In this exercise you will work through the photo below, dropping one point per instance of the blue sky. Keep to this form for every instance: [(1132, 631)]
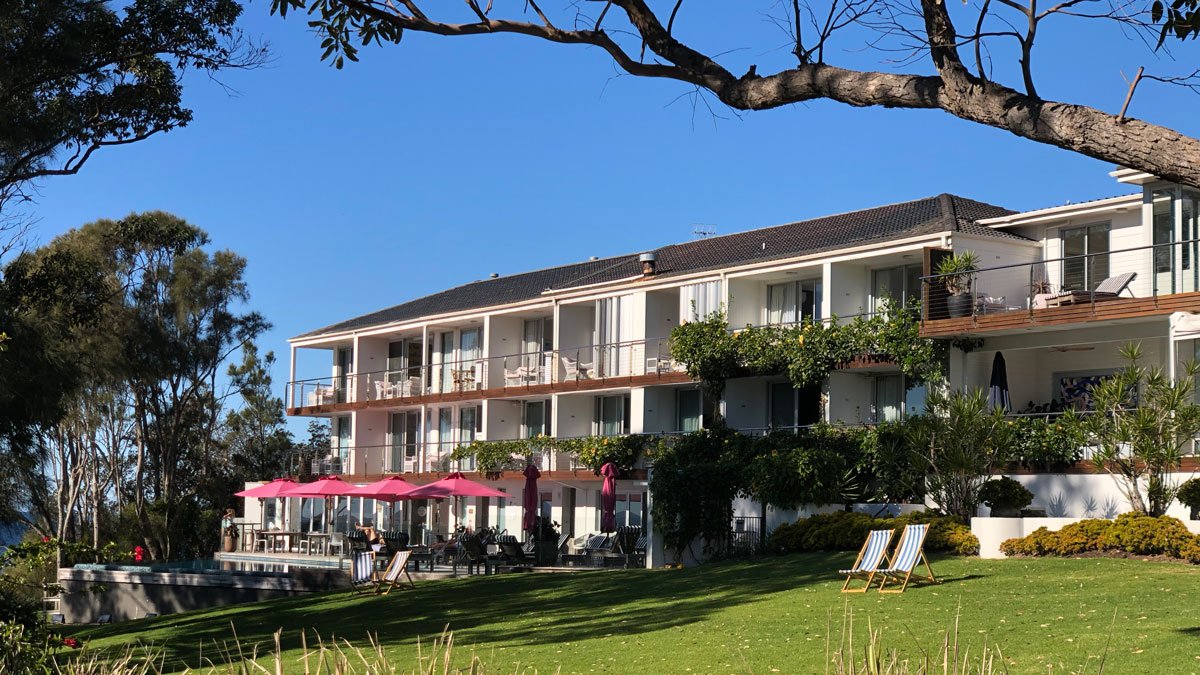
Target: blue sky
[(439, 161)]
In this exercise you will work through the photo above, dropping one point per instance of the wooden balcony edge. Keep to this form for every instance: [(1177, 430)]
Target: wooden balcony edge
[(1105, 310), (496, 393), (581, 474)]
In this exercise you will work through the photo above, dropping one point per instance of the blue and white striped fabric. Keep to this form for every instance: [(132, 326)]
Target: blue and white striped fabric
[(877, 543), (362, 567), (910, 549)]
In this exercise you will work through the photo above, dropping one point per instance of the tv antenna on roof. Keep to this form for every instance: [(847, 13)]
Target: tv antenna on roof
[(704, 230)]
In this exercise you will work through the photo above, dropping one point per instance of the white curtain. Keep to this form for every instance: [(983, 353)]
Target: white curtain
[(698, 301)]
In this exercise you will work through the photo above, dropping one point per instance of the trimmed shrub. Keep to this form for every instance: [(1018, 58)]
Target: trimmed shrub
[(1005, 494), (1147, 535), (1189, 493), (843, 531), (1131, 532)]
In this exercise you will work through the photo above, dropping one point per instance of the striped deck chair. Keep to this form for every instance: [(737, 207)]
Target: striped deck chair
[(871, 557), (397, 567), (362, 570), (909, 552)]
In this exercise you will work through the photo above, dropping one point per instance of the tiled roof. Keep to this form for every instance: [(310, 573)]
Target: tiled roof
[(943, 213)]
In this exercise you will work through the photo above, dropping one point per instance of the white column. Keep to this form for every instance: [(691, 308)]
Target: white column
[(292, 379)]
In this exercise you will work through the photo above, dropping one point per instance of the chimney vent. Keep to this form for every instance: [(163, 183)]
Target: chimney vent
[(649, 263), (495, 275)]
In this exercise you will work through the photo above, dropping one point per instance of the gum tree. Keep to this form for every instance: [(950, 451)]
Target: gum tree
[(946, 51)]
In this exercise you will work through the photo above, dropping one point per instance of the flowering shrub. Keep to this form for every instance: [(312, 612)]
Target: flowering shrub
[(1041, 443)]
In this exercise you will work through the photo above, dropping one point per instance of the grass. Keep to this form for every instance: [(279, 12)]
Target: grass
[(771, 615)]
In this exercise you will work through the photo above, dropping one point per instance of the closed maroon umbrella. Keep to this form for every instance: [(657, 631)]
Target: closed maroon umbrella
[(531, 498), (608, 498)]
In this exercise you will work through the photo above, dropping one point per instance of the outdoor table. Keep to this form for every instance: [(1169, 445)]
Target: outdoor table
[(316, 539), (419, 557), (286, 536)]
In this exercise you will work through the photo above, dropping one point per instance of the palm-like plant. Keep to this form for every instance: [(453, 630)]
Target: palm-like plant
[(1141, 424)]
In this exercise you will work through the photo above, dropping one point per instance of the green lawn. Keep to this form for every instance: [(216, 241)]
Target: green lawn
[(772, 615)]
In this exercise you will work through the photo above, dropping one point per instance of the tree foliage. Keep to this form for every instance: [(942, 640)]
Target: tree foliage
[(80, 75), (974, 61), (1141, 425)]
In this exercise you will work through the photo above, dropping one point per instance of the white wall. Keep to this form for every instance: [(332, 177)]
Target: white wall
[(573, 414), (746, 403), (370, 435), (501, 419), (746, 300), (1010, 283), (662, 313), (658, 409), (851, 398), (504, 337), (849, 288), (371, 357), (575, 325)]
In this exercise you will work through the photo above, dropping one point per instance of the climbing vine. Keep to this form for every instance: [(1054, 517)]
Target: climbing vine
[(593, 452), (807, 352)]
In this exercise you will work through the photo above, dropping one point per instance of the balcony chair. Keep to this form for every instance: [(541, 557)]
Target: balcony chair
[(1106, 290), (516, 378), (575, 370)]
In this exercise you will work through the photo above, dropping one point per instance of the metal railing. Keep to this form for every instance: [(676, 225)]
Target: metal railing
[(1157, 269), (512, 371)]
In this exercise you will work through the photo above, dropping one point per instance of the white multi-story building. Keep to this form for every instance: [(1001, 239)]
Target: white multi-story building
[(582, 349)]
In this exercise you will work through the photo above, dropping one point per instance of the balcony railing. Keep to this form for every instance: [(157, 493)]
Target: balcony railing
[(1087, 279), (513, 371)]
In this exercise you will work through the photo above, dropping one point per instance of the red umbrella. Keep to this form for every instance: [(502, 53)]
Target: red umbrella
[(275, 488), (531, 498), (608, 498), (454, 485)]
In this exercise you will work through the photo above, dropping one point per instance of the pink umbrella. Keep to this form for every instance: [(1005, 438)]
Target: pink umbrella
[(275, 488), (325, 486), (531, 498), (608, 498), (454, 485), (390, 489)]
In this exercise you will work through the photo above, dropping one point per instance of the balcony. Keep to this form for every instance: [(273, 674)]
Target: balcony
[(534, 373), (1122, 285)]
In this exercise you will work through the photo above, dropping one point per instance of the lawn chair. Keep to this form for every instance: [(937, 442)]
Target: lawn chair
[(397, 567), (909, 552), (871, 557), (513, 553), (362, 571), (473, 553)]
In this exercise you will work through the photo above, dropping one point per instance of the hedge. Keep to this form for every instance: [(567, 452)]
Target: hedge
[(844, 531), (1130, 533)]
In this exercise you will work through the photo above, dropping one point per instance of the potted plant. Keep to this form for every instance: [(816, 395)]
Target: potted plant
[(1189, 496), (229, 543), (1005, 496), (957, 272), (545, 542)]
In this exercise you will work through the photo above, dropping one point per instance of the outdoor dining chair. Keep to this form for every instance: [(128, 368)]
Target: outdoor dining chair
[(909, 552), (871, 557)]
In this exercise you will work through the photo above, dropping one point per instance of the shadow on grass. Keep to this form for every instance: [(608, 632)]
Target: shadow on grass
[(1189, 631), (525, 609)]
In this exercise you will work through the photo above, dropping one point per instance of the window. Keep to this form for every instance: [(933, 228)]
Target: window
[(1175, 226), (343, 441), (536, 418), (794, 301), (898, 284), (546, 505), (1082, 273), (894, 399), (689, 410), (697, 301), (790, 407), (404, 438), (612, 415), (628, 510)]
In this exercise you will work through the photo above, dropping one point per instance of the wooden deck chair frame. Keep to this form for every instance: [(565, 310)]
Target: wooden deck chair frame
[(855, 572), (359, 583), (397, 568), (893, 575)]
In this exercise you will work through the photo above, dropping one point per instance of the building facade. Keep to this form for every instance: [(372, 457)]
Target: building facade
[(582, 349)]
